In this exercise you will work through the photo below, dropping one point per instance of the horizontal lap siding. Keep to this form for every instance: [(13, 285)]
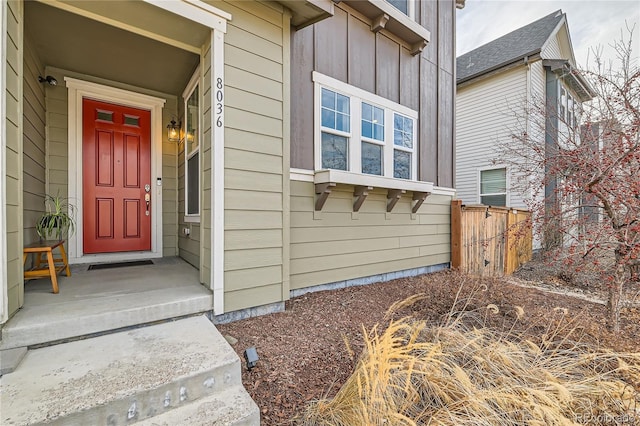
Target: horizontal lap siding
[(253, 155), (14, 153), (485, 118), (340, 245), (33, 144), (169, 185)]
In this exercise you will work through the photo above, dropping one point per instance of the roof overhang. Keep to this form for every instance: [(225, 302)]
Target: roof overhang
[(308, 12), (564, 70), (505, 66)]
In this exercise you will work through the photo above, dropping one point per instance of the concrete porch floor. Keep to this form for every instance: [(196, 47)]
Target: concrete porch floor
[(105, 299)]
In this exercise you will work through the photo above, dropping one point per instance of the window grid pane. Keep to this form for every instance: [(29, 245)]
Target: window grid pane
[(401, 164), (372, 159), (372, 122), (402, 131), (334, 151), (105, 116), (193, 184), (335, 111), (401, 5)]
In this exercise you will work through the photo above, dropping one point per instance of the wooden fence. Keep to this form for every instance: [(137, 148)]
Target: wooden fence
[(489, 241)]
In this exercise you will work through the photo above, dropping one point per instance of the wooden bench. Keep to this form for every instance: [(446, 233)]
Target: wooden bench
[(54, 265)]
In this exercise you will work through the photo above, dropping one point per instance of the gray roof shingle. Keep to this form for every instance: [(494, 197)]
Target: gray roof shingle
[(507, 49)]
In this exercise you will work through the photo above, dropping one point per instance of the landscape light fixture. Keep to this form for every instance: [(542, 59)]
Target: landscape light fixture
[(50, 80), (173, 131), (251, 356)]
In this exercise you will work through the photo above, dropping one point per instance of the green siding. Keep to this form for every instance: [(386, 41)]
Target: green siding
[(14, 153), (337, 244), (33, 143), (255, 128)]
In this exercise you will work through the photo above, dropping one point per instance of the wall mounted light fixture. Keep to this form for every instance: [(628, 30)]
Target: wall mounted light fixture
[(173, 131), (49, 80)]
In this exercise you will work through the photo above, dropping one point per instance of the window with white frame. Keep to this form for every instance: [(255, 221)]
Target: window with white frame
[(361, 132), (493, 187), (404, 6), (192, 173)]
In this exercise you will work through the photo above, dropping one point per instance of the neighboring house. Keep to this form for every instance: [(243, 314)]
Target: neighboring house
[(316, 146), (495, 82)]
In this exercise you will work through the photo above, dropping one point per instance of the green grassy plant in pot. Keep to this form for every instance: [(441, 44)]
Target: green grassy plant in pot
[(58, 222)]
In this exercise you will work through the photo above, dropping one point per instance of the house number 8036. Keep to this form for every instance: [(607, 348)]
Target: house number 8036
[(219, 98)]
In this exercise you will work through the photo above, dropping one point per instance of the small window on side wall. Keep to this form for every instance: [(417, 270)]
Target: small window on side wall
[(493, 187), (192, 149)]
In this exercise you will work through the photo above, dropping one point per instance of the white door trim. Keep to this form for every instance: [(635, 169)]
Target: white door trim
[(77, 90)]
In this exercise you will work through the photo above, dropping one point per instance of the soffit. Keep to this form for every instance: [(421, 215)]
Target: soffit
[(69, 41), (307, 12), (143, 16)]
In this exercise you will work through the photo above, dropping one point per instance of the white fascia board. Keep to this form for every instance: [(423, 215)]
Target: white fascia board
[(302, 175), (358, 179), (442, 190)]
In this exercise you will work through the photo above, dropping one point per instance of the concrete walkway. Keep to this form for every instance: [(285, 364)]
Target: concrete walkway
[(107, 299)]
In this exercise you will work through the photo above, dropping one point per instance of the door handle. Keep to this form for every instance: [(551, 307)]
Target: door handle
[(147, 199)]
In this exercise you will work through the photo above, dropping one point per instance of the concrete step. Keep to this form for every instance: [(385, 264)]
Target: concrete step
[(234, 407), (121, 297), (120, 378)]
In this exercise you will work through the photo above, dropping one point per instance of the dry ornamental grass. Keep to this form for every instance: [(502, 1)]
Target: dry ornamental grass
[(463, 373)]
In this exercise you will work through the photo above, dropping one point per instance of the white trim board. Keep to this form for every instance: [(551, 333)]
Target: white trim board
[(217, 173), (4, 298), (77, 90)]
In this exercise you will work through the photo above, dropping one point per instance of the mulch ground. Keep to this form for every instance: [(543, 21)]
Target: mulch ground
[(308, 351)]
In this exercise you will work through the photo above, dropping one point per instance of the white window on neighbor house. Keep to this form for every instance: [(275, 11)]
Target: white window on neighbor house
[(493, 187), (361, 132), (192, 158), (405, 6), (569, 109), (562, 107)]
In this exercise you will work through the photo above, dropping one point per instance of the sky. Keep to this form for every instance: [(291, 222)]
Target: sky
[(591, 23)]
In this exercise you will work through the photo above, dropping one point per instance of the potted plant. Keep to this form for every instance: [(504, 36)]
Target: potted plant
[(58, 222)]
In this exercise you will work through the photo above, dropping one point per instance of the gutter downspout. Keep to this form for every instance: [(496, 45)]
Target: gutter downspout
[(527, 120), (528, 95)]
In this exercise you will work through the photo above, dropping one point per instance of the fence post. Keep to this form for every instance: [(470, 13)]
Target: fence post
[(456, 233), (508, 234)]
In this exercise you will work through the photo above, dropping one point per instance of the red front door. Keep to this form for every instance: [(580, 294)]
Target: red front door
[(116, 178)]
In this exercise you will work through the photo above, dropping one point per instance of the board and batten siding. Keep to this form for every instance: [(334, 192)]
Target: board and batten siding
[(338, 244), (34, 140), (484, 117), (344, 47), (256, 43), (14, 153), (57, 153)]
